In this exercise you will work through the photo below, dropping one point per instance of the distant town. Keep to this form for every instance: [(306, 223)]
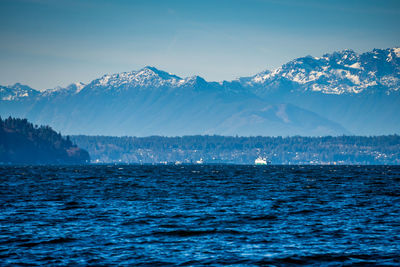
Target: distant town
[(340, 150)]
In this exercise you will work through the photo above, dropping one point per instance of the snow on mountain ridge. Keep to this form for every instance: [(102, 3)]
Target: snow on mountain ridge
[(396, 50), (16, 91), (78, 86), (337, 73), (73, 88), (145, 77)]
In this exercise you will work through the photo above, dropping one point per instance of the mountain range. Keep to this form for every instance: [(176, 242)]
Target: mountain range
[(339, 93)]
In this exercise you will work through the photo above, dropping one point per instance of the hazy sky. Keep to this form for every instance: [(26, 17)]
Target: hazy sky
[(46, 43)]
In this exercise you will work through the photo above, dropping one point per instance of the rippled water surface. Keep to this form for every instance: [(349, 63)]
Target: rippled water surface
[(197, 215)]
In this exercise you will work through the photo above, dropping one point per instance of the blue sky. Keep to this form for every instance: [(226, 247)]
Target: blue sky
[(48, 43)]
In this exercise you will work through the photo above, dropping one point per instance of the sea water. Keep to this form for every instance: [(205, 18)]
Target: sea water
[(199, 215)]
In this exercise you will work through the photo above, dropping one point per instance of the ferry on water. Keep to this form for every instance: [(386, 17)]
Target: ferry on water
[(260, 161), (200, 161)]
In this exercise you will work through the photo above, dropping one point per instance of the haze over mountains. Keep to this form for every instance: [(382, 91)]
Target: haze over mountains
[(339, 93)]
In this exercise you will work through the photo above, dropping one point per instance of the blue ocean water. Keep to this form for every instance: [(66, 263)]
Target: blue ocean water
[(200, 215)]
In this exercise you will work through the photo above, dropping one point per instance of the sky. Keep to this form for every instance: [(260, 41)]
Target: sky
[(49, 43)]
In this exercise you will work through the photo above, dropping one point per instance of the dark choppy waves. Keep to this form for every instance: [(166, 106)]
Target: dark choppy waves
[(198, 215)]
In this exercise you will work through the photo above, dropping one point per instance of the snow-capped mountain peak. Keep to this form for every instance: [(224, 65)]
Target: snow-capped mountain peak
[(76, 87), (396, 51), (153, 71), (71, 89), (336, 73), (144, 78), (16, 92), (343, 72), (193, 80)]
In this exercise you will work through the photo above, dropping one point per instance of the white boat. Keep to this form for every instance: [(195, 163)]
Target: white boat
[(260, 161), (200, 161)]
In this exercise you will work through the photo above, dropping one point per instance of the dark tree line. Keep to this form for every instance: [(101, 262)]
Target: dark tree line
[(244, 150), (23, 142)]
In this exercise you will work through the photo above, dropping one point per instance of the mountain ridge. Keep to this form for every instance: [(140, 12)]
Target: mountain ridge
[(336, 73), (346, 60), (333, 92)]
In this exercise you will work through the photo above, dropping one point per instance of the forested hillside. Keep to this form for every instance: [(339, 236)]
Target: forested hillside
[(243, 150), (23, 142)]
